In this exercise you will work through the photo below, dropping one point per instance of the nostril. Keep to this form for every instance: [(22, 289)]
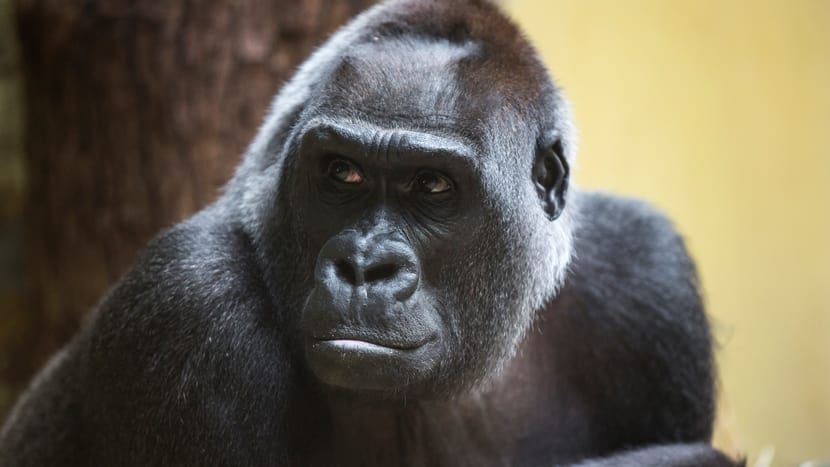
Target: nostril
[(381, 272), (345, 271)]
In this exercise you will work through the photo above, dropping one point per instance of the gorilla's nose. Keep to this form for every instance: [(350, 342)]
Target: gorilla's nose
[(386, 267), (374, 270)]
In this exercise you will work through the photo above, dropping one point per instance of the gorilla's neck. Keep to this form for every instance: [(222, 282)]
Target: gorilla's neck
[(494, 425)]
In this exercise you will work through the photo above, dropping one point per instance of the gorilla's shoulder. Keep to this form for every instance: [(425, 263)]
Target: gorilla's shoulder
[(627, 234), (628, 251), (195, 272), (207, 249)]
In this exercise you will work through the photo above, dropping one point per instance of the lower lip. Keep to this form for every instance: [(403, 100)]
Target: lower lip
[(358, 345), (353, 345)]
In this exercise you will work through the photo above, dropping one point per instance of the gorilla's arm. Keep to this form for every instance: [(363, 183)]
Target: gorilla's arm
[(183, 361), (630, 332), (42, 428), (672, 455)]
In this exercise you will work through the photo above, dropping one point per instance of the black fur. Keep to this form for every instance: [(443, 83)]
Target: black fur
[(388, 280)]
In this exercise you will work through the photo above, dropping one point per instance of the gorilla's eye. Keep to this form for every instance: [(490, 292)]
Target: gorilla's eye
[(344, 171), (432, 183)]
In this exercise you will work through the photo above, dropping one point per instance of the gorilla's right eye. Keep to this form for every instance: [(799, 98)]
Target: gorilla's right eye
[(344, 172)]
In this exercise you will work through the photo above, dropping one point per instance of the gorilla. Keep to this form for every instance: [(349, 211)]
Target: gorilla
[(398, 274)]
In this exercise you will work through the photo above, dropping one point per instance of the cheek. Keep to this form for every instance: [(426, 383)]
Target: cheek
[(492, 278), (466, 277)]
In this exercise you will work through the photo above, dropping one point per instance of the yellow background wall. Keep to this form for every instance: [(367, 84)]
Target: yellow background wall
[(719, 112)]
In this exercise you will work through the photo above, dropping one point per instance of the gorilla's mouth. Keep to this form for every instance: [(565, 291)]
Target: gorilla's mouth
[(359, 364)]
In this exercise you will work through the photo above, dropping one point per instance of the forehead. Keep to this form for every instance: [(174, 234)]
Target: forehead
[(406, 80)]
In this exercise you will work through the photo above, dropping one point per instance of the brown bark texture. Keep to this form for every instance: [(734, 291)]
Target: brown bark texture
[(136, 114)]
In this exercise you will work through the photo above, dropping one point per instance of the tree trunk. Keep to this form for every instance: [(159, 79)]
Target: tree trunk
[(136, 115)]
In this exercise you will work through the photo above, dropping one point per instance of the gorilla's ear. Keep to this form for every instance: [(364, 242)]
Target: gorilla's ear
[(550, 175)]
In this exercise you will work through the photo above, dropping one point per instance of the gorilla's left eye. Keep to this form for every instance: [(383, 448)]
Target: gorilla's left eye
[(432, 183), (344, 171)]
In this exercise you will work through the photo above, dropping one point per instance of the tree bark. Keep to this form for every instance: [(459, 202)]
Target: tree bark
[(136, 115)]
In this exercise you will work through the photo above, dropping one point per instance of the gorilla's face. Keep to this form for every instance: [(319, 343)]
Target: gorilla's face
[(385, 208), (423, 219)]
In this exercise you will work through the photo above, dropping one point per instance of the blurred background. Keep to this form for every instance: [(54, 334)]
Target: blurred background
[(718, 111)]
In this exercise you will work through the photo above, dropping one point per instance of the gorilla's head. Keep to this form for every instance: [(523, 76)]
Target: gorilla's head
[(407, 198)]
